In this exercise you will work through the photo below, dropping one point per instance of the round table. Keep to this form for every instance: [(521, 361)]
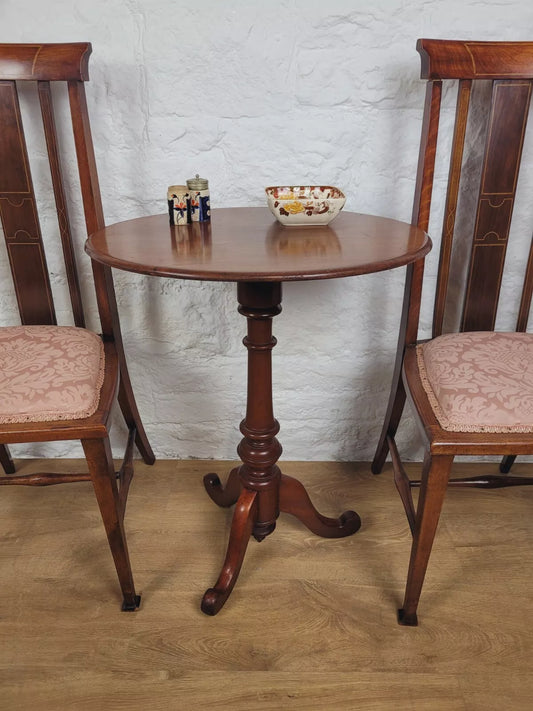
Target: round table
[(248, 246)]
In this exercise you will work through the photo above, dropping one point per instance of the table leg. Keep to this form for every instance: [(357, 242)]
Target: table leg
[(258, 486), (241, 528), (223, 495), (294, 499)]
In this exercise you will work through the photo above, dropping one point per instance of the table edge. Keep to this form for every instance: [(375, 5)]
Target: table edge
[(197, 274)]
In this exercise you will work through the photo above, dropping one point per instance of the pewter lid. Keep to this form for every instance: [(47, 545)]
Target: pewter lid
[(197, 183)]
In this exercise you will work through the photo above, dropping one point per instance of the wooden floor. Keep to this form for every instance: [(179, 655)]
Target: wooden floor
[(310, 625)]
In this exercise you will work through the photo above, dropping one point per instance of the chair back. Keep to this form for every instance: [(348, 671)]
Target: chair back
[(43, 64), (479, 202)]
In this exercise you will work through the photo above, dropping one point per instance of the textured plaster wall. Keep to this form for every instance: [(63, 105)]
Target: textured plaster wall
[(250, 94)]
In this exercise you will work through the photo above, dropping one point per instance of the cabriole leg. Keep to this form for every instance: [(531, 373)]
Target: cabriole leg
[(223, 495), (241, 529), (294, 499)]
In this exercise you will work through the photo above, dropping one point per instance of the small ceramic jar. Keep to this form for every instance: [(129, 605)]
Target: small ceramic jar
[(199, 196), (178, 204)]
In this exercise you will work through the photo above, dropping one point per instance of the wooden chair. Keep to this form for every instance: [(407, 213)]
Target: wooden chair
[(471, 388), (60, 382)]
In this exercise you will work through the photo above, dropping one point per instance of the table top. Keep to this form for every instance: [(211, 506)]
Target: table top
[(248, 244)]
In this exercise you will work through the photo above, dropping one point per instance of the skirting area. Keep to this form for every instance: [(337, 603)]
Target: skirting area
[(310, 625)]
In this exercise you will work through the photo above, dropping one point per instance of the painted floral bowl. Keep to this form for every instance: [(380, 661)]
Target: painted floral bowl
[(305, 204)]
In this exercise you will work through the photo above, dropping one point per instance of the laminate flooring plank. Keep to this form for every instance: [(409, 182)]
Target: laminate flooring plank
[(310, 625)]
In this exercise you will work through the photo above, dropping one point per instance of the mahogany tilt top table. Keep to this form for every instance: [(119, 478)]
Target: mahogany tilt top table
[(248, 246)]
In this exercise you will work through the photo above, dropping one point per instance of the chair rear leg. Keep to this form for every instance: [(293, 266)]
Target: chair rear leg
[(390, 425), (128, 405), (5, 459), (435, 475), (506, 463), (102, 471)]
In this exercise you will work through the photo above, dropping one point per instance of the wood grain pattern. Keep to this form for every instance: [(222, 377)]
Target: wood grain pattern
[(248, 244), (329, 606)]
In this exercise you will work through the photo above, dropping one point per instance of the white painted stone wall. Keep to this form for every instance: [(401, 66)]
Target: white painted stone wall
[(250, 94)]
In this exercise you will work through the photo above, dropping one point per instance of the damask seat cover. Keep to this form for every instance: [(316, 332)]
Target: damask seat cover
[(480, 381), (49, 373)]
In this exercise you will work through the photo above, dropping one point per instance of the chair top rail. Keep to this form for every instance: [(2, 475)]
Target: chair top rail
[(45, 62), (456, 59)]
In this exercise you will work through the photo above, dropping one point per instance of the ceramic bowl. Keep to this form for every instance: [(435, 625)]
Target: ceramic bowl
[(305, 204)]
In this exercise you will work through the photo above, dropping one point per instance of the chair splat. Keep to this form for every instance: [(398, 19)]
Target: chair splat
[(18, 212), (503, 151)]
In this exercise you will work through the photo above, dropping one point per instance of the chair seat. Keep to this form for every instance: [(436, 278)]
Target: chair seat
[(49, 373), (480, 381)]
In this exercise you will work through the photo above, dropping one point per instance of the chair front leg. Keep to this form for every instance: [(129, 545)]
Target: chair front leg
[(101, 468), (435, 475)]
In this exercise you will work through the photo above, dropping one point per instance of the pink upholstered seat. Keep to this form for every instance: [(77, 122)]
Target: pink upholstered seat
[(49, 373), (480, 381)]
